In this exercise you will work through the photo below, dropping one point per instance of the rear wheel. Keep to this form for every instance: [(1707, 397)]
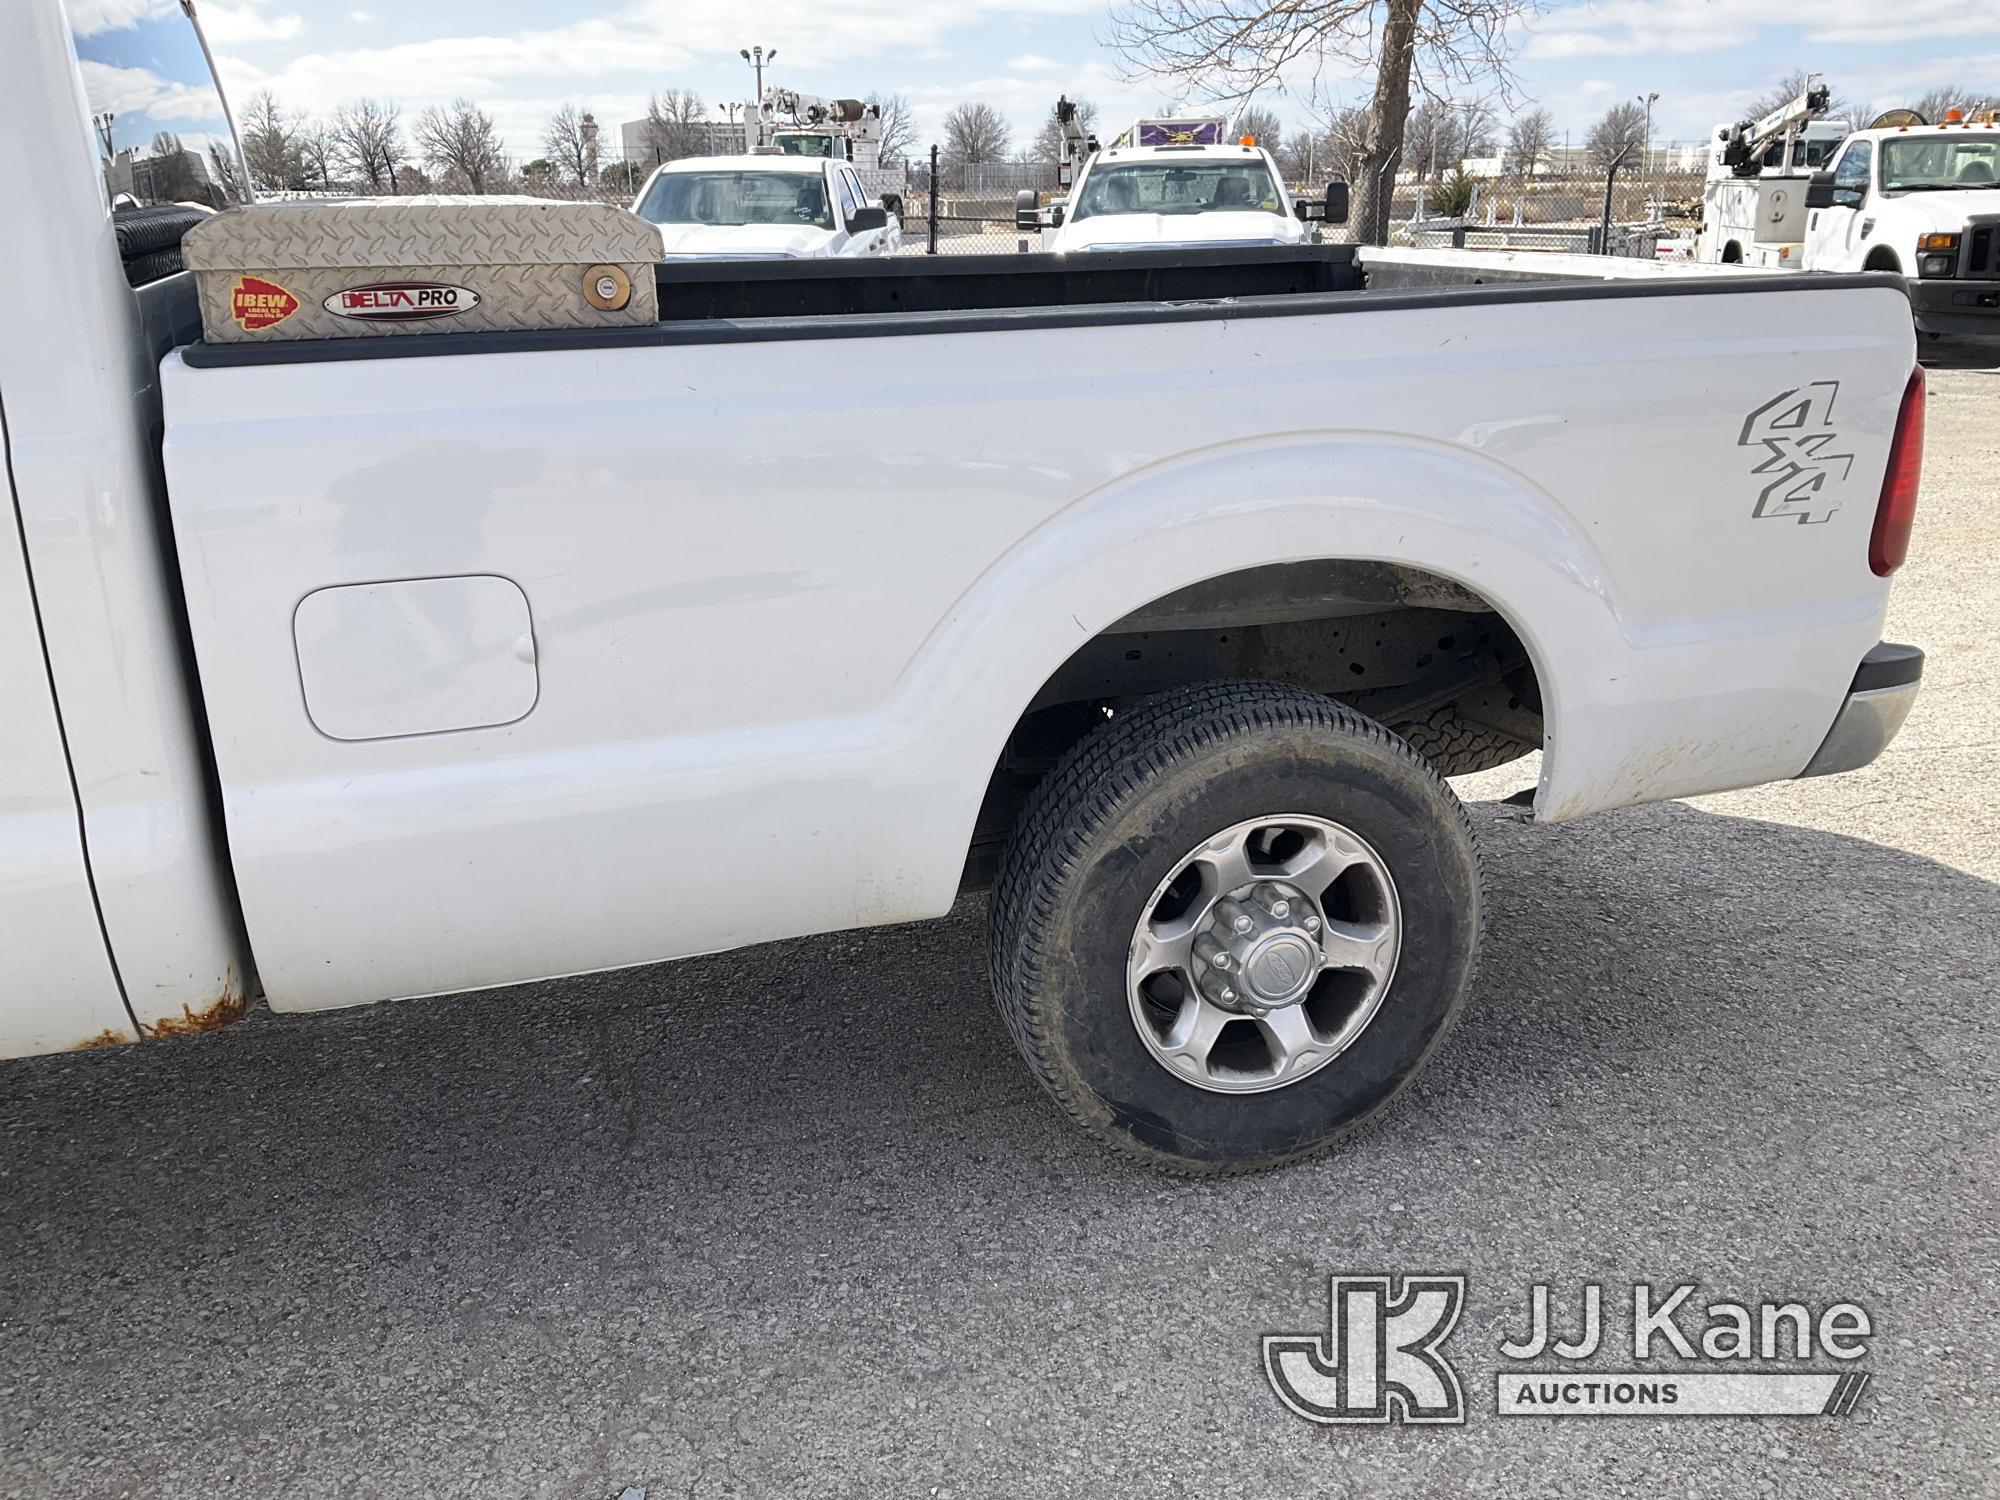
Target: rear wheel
[(1232, 923)]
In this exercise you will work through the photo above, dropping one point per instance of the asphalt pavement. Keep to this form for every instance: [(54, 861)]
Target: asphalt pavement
[(795, 1221)]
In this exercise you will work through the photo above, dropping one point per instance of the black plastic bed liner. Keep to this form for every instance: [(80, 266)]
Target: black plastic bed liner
[(698, 291)]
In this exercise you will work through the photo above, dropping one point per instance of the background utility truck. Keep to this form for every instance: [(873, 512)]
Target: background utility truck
[(372, 628), (1165, 183), (1903, 195)]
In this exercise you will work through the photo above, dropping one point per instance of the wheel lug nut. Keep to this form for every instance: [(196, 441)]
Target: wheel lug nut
[(1281, 909), (1228, 996), (1311, 923), (1236, 915)]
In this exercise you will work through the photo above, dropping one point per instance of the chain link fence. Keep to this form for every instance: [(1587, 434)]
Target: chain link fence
[(968, 209), (1652, 215)]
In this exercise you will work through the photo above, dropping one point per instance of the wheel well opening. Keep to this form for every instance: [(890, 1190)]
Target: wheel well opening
[(1882, 259), (1732, 254), (1425, 655)]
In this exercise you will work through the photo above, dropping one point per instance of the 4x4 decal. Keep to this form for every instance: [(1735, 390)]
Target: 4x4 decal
[(1794, 430)]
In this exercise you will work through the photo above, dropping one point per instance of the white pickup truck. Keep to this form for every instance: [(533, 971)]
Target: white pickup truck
[(1917, 199), (340, 668), (1176, 184), (771, 207)]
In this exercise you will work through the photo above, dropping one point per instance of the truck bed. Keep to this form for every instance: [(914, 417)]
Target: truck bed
[(721, 302), (526, 654)]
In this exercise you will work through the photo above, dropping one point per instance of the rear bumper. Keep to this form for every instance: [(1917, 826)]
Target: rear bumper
[(1878, 700), (1947, 305)]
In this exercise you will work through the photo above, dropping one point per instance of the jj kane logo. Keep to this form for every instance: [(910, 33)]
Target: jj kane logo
[(1794, 436), (1382, 1357)]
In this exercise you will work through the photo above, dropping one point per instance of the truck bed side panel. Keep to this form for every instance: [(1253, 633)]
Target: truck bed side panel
[(786, 598)]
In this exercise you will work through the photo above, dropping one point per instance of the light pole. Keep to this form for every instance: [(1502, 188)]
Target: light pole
[(757, 57), (1646, 150)]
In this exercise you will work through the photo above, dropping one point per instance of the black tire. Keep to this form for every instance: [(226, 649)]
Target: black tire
[(1108, 825), (1455, 746)]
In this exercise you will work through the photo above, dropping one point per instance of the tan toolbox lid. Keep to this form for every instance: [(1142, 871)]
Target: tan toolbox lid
[(299, 270)]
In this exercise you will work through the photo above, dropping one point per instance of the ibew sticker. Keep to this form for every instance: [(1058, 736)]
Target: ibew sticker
[(401, 301)]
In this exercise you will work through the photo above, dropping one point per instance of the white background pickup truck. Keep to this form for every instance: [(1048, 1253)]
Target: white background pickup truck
[(764, 208), (1157, 594)]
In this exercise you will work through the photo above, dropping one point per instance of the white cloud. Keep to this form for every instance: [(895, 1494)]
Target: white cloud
[(1031, 63), (360, 17), (88, 18), (1630, 28), (134, 91), (226, 25)]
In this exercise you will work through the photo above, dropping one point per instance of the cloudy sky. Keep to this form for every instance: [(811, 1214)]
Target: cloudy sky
[(522, 59)]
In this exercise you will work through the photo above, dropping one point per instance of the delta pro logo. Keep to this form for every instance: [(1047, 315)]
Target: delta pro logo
[(401, 301), (256, 303)]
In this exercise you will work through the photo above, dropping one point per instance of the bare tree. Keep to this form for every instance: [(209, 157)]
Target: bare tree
[(567, 141), (1619, 132), (225, 173), (1255, 119), (1231, 49), (1049, 139), (675, 124), (271, 142), (171, 174), (369, 138), (899, 126), (975, 133), (1529, 140), (1311, 157), (1939, 102), (461, 145), (319, 155), (1788, 88)]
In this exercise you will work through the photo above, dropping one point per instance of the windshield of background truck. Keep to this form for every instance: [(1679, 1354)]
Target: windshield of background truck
[(806, 145), (1169, 187), (1937, 162), (795, 198), (161, 133)]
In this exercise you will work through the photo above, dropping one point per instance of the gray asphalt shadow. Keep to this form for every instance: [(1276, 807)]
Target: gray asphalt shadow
[(796, 1220), (1952, 353)]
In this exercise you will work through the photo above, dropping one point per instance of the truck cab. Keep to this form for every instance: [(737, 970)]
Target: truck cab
[(1168, 183), (1921, 201), (777, 206)]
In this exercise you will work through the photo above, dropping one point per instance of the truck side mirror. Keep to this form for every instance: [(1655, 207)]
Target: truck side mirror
[(1336, 202), (1819, 191), (864, 219), (1027, 210)]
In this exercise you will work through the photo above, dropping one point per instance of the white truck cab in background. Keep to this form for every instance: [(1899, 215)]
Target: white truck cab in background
[(774, 206), (1923, 201), (1166, 183)]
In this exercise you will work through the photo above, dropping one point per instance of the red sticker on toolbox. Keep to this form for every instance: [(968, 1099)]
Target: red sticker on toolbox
[(256, 303), (401, 301)]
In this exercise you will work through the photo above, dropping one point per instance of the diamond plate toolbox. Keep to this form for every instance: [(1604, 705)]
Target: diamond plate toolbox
[(367, 267)]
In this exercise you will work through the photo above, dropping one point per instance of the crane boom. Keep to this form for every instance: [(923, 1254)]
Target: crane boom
[(1744, 143)]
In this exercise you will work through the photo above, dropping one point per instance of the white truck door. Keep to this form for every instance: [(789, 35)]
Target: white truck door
[(57, 986), (1831, 233), (845, 203)]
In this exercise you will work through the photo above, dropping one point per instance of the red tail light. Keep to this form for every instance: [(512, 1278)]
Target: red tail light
[(1898, 509)]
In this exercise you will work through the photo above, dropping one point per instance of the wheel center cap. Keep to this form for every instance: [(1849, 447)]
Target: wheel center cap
[(1279, 969)]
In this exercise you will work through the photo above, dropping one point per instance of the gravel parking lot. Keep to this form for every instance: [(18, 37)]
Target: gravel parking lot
[(796, 1220)]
